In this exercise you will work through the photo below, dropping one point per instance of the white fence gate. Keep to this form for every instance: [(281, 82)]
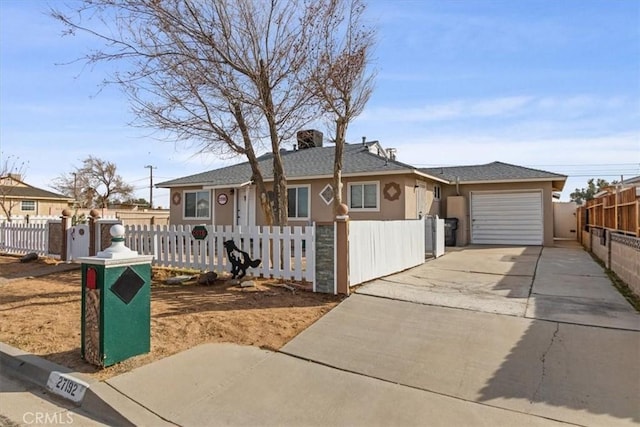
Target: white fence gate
[(286, 252), (434, 236), (78, 242), (380, 248)]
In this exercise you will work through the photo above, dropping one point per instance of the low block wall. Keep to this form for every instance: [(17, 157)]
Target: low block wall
[(600, 245), (586, 240), (625, 260), (619, 253)]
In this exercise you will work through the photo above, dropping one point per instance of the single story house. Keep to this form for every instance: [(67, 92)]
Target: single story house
[(21, 199), (375, 187)]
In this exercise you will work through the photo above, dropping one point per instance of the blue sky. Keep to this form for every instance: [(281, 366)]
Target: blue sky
[(553, 85)]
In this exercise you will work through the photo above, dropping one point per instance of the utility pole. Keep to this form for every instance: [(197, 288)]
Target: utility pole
[(75, 189), (151, 168)]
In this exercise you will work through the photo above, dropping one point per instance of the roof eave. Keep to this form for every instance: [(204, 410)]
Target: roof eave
[(560, 180), (18, 196), (435, 178)]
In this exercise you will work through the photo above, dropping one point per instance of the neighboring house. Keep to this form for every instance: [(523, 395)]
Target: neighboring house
[(375, 187), (500, 203), (20, 198), (631, 181)]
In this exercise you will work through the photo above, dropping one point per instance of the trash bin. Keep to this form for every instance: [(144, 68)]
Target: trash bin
[(450, 227)]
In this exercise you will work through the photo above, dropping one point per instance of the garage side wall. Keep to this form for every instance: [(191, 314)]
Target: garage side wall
[(547, 201)]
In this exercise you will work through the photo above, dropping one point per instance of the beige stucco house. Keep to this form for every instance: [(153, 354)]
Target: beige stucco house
[(21, 199), (375, 187)]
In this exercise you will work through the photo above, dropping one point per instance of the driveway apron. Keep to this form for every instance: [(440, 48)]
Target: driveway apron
[(537, 331)]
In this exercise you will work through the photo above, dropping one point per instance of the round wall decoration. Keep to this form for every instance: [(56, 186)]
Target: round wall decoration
[(176, 198), (222, 199), (392, 191)]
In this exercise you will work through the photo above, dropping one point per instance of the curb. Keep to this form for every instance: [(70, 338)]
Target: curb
[(100, 400)]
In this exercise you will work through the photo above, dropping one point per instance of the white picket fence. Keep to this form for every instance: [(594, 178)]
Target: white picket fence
[(21, 238), (380, 248), (286, 252)]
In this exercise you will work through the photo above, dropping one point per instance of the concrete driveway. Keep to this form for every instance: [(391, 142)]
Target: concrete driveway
[(559, 284), (535, 331)]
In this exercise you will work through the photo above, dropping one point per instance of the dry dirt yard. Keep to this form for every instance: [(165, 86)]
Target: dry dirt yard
[(41, 314)]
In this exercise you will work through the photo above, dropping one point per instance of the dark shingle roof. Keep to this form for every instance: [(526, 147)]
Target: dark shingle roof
[(634, 180), (495, 171), (29, 192), (310, 162)]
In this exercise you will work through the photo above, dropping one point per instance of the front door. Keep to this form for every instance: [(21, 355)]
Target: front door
[(246, 206)]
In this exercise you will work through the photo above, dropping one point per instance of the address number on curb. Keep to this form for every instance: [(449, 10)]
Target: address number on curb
[(67, 386)]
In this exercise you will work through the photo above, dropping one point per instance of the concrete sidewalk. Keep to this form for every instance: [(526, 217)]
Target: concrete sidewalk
[(227, 384), (380, 361)]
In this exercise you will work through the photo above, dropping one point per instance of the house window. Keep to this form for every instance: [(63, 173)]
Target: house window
[(327, 194), (436, 192), (28, 205), (298, 202), (364, 196), (197, 204)]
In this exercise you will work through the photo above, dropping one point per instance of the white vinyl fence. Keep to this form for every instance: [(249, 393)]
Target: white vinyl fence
[(380, 248), (286, 252), (20, 238)]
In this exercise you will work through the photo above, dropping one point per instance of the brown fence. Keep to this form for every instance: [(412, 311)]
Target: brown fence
[(618, 211)]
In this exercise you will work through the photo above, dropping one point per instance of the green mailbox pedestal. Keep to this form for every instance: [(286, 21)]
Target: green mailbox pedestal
[(116, 303)]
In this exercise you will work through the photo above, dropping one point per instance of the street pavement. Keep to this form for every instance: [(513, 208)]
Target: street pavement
[(482, 336)]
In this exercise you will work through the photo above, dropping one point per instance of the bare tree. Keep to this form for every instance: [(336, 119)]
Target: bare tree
[(11, 175), (94, 184), (222, 73), (340, 74)]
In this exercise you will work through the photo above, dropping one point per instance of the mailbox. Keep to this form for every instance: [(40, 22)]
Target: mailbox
[(116, 303)]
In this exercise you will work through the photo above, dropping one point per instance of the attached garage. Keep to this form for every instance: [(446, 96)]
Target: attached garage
[(507, 218), (499, 203)]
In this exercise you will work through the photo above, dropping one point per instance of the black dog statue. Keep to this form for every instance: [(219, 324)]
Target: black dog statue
[(240, 260)]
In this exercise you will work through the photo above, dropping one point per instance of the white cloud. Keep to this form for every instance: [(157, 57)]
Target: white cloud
[(553, 106), (448, 110)]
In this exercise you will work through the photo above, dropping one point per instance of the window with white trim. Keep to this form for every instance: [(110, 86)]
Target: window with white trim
[(364, 196), (436, 192), (28, 205), (298, 202), (197, 204)]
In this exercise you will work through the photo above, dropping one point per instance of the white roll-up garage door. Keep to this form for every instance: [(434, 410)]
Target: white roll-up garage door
[(509, 218)]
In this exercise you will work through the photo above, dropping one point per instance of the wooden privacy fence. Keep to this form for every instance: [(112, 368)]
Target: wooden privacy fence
[(286, 252), (619, 211), (380, 248), (20, 238)]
